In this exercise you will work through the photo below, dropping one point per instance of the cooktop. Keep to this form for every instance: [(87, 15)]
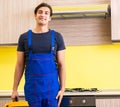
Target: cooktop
[(81, 90)]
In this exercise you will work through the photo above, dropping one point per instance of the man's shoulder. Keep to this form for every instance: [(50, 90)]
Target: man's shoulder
[(24, 34), (57, 34)]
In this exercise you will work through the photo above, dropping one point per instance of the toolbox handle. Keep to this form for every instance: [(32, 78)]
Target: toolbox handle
[(16, 99)]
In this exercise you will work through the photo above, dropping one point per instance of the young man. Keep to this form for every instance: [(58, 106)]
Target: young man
[(41, 52)]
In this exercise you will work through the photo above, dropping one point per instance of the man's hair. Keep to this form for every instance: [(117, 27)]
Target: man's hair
[(43, 5)]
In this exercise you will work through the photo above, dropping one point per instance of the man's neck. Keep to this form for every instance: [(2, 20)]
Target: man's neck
[(40, 29)]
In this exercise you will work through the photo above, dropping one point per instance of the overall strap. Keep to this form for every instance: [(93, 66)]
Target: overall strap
[(52, 41), (29, 39)]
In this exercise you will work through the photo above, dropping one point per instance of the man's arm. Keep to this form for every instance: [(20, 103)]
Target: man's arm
[(19, 69), (62, 74)]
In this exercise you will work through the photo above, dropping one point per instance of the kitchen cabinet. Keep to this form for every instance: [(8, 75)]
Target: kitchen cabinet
[(115, 20), (75, 31), (108, 101), (78, 99), (91, 101)]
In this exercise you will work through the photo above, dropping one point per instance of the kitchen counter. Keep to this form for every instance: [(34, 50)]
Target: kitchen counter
[(97, 93), (102, 98), (9, 92)]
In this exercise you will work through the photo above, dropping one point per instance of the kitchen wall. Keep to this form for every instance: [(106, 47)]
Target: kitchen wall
[(86, 66)]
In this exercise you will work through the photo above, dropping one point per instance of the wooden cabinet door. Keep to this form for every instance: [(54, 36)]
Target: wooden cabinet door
[(108, 102), (115, 20)]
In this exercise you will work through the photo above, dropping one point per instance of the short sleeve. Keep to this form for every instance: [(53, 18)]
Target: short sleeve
[(21, 43), (60, 42)]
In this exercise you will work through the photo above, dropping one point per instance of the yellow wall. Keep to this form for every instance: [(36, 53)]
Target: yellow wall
[(87, 66)]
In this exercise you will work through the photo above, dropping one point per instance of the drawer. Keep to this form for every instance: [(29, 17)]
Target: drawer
[(76, 101)]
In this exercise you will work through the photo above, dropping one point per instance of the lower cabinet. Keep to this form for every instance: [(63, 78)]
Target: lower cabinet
[(79, 101), (91, 101), (5, 99), (108, 101)]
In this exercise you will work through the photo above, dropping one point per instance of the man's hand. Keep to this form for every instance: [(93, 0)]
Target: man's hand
[(60, 96), (15, 96)]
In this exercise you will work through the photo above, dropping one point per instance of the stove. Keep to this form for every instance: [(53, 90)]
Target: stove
[(81, 90), (77, 100)]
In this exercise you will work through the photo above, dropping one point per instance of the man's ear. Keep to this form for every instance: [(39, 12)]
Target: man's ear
[(35, 16)]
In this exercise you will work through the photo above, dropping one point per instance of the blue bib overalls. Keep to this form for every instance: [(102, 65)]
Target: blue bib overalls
[(41, 77)]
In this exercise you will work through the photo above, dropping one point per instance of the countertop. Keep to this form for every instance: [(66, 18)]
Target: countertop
[(97, 93)]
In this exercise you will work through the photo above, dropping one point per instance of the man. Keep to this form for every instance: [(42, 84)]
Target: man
[(41, 52)]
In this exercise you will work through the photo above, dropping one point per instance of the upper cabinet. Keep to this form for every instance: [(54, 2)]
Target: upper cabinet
[(81, 22), (115, 20)]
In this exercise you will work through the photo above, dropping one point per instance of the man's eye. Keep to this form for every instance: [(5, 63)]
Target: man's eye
[(39, 12), (46, 13)]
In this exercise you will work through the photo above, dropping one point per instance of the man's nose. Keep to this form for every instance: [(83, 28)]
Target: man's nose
[(43, 14)]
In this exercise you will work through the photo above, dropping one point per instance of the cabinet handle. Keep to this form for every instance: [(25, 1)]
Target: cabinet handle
[(70, 101), (83, 101)]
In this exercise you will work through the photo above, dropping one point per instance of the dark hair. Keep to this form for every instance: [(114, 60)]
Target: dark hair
[(43, 5)]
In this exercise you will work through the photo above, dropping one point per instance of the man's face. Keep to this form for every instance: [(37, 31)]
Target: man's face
[(43, 16)]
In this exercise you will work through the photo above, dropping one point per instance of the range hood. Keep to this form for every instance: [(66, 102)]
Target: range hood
[(82, 11)]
